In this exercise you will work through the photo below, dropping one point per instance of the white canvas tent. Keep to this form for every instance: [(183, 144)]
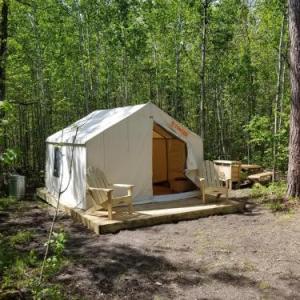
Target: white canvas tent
[(119, 142)]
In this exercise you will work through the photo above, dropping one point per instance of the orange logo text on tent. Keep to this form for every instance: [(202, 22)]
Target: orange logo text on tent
[(179, 129)]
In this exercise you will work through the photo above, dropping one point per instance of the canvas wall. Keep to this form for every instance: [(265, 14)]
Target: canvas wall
[(124, 153), (73, 185)]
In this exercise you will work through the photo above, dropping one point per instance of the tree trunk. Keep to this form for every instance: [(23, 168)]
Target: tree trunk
[(155, 58), (178, 109), (221, 150), (203, 69), (293, 178), (282, 95), (3, 46), (125, 97), (279, 88), (3, 53), (82, 58)]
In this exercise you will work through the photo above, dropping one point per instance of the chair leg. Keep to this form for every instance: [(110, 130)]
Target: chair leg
[(203, 197), (130, 208), (203, 192), (109, 206), (109, 209)]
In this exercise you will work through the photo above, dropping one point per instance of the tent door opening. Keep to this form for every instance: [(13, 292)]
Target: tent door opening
[(169, 155)]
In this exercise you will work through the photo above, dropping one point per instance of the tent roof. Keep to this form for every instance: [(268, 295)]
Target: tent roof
[(93, 124)]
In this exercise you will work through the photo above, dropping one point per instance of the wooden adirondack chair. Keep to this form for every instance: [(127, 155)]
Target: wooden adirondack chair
[(211, 183), (101, 192)]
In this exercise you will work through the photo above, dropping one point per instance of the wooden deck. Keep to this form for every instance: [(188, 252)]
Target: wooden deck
[(146, 214)]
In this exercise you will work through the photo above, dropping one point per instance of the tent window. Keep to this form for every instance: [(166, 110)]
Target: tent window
[(57, 162)]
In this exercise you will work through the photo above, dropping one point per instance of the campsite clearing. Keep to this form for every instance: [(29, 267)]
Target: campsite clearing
[(238, 256)]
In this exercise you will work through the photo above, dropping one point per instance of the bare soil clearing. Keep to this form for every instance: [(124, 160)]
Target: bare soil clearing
[(254, 255)]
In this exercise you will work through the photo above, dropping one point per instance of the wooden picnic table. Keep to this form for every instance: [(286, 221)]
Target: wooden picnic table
[(261, 177), (248, 167)]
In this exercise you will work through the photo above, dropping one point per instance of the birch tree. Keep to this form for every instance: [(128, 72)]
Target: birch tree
[(279, 87), (3, 47), (202, 102)]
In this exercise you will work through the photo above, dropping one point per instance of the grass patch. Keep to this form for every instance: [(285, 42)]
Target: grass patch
[(248, 266), (6, 203), (275, 190), (20, 264), (263, 285), (273, 197), (21, 237)]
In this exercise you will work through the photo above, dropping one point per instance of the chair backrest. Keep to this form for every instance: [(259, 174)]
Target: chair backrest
[(209, 172), (96, 178)]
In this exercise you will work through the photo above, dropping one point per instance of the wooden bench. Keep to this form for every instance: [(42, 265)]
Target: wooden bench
[(261, 177)]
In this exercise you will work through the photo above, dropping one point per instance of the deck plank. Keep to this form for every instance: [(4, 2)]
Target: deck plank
[(146, 214)]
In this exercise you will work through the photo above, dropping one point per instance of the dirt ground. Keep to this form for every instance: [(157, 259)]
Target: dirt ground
[(254, 255)]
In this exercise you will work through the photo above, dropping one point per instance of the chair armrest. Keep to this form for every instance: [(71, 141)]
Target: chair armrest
[(202, 182), (100, 189), (129, 188), (202, 188), (121, 185)]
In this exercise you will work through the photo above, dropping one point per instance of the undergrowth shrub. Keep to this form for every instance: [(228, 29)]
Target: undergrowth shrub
[(6, 203), (56, 257), (276, 189), (273, 196), (20, 266), (21, 237)]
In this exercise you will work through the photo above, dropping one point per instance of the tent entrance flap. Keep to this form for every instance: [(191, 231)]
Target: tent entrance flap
[(169, 155)]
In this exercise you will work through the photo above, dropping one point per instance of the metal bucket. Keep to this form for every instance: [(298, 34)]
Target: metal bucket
[(16, 186)]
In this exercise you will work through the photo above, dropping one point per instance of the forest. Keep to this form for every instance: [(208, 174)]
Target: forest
[(219, 67), (221, 222)]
